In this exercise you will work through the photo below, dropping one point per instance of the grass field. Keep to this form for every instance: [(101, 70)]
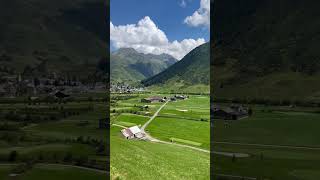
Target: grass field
[(146, 160), (133, 159), (53, 133), (282, 128), (191, 125), (185, 141), (52, 172)]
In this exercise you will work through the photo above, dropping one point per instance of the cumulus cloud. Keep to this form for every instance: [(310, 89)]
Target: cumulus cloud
[(146, 37), (201, 17)]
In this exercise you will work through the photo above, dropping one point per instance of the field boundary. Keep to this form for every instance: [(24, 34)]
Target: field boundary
[(268, 145)]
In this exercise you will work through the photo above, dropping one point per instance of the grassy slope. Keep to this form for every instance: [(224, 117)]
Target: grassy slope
[(259, 45), (140, 159), (146, 160), (192, 71)]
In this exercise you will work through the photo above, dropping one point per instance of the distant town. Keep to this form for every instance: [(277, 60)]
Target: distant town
[(17, 85)]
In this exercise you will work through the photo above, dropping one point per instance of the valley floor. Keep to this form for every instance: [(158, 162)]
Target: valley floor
[(282, 143), (181, 159)]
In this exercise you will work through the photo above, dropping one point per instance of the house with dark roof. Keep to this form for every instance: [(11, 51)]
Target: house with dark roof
[(153, 99), (233, 112)]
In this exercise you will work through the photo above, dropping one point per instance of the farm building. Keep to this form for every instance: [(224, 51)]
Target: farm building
[(132, 132), (153, 99), (234, 112), (181, 97)]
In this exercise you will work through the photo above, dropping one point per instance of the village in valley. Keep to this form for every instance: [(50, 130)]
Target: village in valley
[(52, 121)]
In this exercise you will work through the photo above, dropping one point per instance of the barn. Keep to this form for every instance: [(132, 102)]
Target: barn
[(132, 132), (234, 112)]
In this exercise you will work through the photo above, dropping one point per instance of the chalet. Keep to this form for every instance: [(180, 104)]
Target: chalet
[(234, 112), (153, 99), (132, 132)]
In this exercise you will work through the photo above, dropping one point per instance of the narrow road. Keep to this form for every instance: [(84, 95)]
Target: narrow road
[(268, 145), (154, 116), (150, 138)]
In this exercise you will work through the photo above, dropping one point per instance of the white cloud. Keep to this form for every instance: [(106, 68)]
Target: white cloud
[(183, 3), (146, 37), (201, 17)]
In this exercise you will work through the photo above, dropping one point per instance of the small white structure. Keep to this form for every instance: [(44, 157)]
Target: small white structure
[(132, 132)]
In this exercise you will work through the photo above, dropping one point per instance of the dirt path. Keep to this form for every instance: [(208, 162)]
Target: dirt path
[(150, 138), (268, 145)]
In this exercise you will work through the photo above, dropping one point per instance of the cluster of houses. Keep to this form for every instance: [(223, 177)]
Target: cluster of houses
[(233, 112), (155, 99), (15, 85), (124, 88)]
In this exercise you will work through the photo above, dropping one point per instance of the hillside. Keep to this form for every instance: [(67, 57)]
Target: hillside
[(189, 74), (128, 65), (65, 37), (266, 50)]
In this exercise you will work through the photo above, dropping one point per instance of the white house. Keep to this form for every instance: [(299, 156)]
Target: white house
[(132, 132)]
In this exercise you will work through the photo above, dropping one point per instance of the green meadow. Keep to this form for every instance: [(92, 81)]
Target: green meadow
[(281, 142), (65, 134), (147, 160), (134, 159)]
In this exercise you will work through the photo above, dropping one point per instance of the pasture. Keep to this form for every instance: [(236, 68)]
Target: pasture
[(52, 132), (147, 160), (282, 144), (133, 159)]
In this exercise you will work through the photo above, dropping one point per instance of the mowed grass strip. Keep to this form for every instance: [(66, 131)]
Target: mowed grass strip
[(185, 141)]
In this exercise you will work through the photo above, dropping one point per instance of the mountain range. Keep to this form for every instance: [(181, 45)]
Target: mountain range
[(129, 66), (266, 49)]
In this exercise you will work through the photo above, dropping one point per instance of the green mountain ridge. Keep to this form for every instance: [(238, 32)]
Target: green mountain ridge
[(190, 74), (54, 33), (266, 49), (129, 66)]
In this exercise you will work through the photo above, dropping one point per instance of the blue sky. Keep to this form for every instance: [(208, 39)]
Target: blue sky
[(167, 14), (173, 27)]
